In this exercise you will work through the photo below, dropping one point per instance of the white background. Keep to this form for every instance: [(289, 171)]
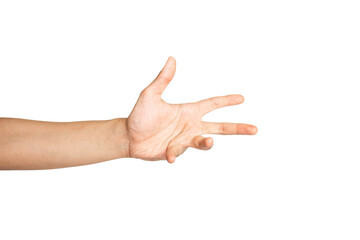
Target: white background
[(296, 63)]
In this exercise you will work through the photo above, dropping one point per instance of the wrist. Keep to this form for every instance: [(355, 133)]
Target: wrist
[(119, 137)]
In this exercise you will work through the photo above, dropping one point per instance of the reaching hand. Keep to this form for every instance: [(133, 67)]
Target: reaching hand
[(158, 130)]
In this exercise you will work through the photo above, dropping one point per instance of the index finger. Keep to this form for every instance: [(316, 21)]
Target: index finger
[(213, 103)]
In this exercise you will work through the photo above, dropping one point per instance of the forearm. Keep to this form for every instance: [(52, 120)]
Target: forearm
[(27, 144)]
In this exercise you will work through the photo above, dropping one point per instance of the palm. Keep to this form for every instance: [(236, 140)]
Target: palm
[(152, 126), (158, 130)]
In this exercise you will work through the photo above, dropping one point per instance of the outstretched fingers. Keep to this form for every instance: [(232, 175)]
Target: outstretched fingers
[(229, 128), (158, 86), (213, 103)]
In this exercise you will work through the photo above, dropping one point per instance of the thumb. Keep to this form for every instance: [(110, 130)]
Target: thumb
[(163, 79)]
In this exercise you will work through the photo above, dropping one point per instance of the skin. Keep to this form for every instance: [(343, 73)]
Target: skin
[(155, 130)]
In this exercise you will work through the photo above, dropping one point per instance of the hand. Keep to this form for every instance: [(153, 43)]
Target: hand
[(158, 130)]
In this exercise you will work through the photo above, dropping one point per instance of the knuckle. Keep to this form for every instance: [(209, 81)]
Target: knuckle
[(214, 102), (222, 127), (145, 92), (228, 100), (238, 129), (202, 144), (164, 79)]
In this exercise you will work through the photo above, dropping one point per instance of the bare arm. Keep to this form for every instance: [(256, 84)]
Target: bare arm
[(155, 130), (26, 144)]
